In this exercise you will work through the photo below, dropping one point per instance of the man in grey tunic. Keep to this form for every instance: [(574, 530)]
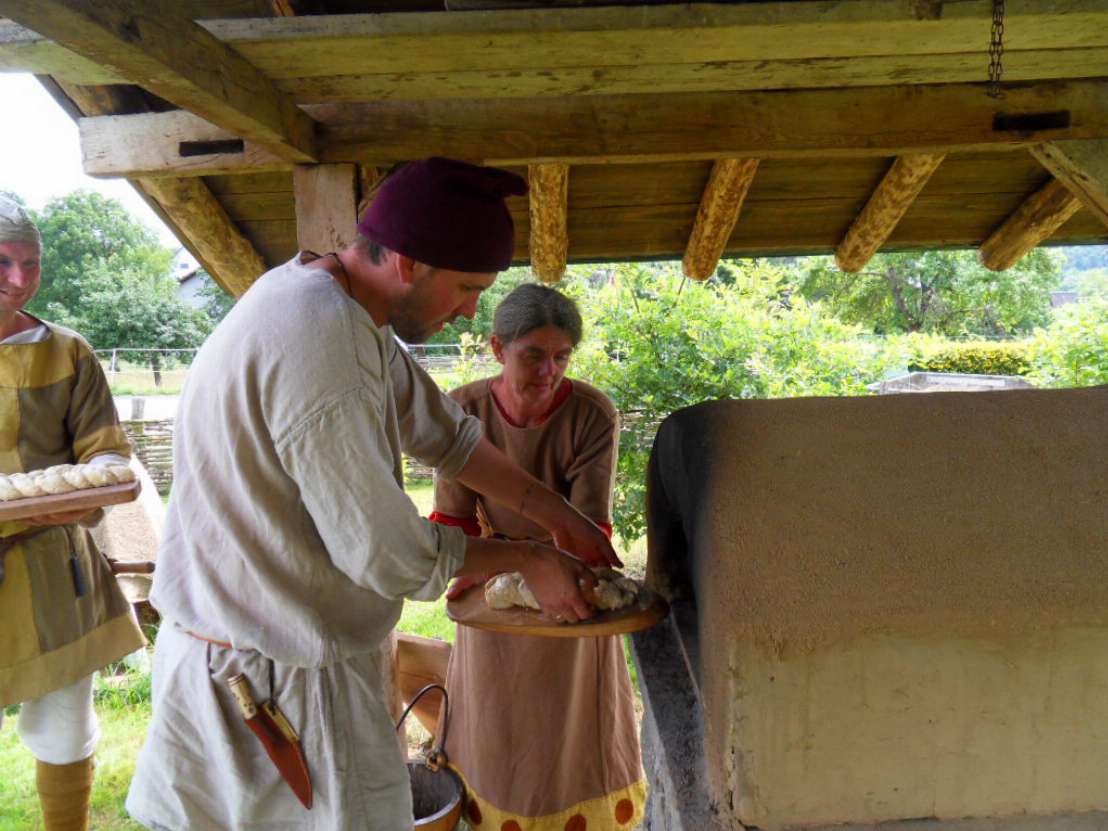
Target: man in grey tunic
[(290, 545)]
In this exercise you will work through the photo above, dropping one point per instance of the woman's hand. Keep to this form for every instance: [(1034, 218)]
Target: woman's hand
[(581, 537), (553, 579)]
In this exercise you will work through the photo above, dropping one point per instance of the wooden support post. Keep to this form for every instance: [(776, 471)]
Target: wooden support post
[(549, 199), (326, 206), (887, 204), (719, 209), (1082, 166), (215, 237), (1044, 212)]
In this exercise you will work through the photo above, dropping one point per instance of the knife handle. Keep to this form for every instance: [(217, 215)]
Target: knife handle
[(240, 689)]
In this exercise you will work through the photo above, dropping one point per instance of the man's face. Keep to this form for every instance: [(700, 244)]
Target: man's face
[(436, 297), (20, 273)]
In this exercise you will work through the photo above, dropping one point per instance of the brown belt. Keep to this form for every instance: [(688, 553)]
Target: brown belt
[(10, 542), (223, 644)]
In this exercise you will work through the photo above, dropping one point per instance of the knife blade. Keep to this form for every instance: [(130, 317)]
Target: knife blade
[(277, 736)]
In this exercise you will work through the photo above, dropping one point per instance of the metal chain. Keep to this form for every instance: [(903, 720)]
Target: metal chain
[(996, 49)]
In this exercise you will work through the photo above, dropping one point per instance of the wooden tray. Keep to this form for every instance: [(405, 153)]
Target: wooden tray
[(60, 503), (470, 610)]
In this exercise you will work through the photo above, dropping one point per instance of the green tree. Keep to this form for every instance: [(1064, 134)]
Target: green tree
[(656, 343), (137, 310), (1073, 350), (217, 302), (85, 233), (946, 292), (105, 275)]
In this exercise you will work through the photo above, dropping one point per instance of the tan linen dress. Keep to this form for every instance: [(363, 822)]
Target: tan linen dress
[(542, 730)]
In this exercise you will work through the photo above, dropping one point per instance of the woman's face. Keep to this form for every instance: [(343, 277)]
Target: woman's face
[(535, 364), (20, 272)]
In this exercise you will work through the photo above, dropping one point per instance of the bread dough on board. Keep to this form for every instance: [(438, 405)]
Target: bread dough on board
[(62, 479)]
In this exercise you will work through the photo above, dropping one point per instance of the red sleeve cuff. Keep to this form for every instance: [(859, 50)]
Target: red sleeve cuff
[(469, 525)]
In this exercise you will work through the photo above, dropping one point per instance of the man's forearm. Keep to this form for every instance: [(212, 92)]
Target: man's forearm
[(485, 556), (492, 474)]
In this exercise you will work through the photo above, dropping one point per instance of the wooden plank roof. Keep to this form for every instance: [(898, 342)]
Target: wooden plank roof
[(207, 106)]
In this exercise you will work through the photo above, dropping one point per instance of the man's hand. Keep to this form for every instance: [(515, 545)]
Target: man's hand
[(68, 518), (553, 578), (460, 584), (581, 537)]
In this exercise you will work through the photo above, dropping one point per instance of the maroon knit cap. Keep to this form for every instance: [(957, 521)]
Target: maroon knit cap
[(447, 214)]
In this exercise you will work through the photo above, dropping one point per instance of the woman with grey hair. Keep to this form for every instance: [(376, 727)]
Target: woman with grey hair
[(510, 693)]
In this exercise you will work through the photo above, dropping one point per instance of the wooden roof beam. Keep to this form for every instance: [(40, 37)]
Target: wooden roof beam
[(889, 202), (720, 205), (1082, 166), (707, 34), (1044, 212), (870, 121), (187, 145), (216, 240), (152, 45), (549, 205)]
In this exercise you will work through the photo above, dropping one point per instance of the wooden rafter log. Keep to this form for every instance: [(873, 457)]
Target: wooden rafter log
[(1082, 166), (1043, 213), (153, 45), (886, 206), (549, 200), (326, 206), (720, 205), (217, 241)]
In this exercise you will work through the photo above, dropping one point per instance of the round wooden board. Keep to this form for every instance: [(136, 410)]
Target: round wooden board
[(470, 610), (61, 503)]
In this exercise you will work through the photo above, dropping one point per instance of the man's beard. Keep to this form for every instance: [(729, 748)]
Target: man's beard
[(408, 317), (410, 330)]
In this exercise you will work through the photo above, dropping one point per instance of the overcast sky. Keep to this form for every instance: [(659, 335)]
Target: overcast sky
[(40, 154)]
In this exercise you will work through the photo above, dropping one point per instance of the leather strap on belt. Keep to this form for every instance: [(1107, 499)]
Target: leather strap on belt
[(10, 542), (213, 641)]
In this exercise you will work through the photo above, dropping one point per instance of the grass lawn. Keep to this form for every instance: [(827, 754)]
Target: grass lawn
[(121, 734)]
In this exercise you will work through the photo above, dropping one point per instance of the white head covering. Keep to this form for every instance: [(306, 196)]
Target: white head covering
[(15, 223)]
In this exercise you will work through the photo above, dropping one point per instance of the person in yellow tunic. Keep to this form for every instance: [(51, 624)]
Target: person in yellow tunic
[(62, 616), (507, 691)]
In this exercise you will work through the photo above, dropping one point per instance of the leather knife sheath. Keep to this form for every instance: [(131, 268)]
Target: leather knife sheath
[(280, 741)]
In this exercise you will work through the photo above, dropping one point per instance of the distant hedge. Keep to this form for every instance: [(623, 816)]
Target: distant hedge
[(978, 358)]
